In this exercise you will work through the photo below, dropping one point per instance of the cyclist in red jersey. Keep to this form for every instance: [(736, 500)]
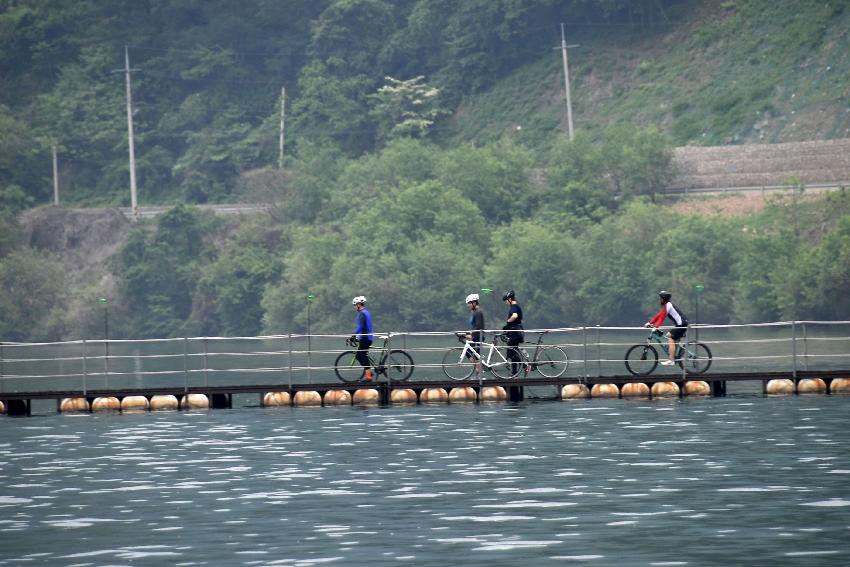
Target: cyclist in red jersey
[(679, 320)]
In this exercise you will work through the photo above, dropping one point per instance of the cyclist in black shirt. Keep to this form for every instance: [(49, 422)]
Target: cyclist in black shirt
[(476, 325), (514, 328)]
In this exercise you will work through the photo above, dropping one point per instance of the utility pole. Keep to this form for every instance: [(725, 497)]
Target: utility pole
[(563, 49), (55, 176), (282, 124), (134, 204)]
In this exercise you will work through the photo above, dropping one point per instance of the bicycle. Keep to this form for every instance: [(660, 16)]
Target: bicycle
[(549, 360), (395, 364), (642, 359), (459, 362)]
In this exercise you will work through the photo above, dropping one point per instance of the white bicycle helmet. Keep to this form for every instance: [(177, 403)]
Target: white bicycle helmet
[(358, 299), (471, 297)]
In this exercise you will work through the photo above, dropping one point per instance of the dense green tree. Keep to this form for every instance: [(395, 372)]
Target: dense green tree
[(33, 298), (235, 282), (160, 274)]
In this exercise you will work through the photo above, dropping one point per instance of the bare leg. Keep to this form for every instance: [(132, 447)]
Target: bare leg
[(671, 347)]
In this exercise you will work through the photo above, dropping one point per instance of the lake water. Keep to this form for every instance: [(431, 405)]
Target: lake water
[(742, 480)]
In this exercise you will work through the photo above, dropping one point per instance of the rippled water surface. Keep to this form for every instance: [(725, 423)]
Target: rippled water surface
[(729, 481)]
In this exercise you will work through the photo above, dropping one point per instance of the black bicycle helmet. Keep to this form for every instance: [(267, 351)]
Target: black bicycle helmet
[(665, 295), (509, 295)]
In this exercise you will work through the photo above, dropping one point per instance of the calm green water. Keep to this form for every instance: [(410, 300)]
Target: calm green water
[(742, 480)]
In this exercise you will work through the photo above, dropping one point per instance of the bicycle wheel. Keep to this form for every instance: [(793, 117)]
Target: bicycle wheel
[(454, 367), (551, 362), (641, 359), (502, 370), (698, 359), (347, 368), (398, 365)]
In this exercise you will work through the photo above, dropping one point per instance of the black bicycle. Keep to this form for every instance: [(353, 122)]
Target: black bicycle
[(394, 364), (640, 360), (549, 360)]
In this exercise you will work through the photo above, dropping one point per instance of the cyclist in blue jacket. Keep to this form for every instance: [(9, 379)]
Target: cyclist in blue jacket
[(363, 335)]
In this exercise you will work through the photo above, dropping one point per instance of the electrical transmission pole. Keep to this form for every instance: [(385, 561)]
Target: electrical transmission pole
[(55, 176), (563, 49), (282, 125), (134, 204)]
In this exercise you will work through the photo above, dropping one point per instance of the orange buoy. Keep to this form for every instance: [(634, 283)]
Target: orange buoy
[(363, 396), (839, 386), (665, 390), (403, 396), (574, 392), (779, 387), (164, 403), (464, 394), (604, 391), (493, 394), (131, 403), (106, 404), (307, 398), (337, 398), (697, 388), (811, 386), (195, 401), (635, 390), (73, 405), (2, 407), (275, 399), (433, 395)]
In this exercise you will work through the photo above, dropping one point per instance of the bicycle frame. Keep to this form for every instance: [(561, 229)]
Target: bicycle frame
[(469, 350), (381, 352), (659, 337)]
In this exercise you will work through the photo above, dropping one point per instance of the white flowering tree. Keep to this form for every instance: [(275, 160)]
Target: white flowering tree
[(406, 108)]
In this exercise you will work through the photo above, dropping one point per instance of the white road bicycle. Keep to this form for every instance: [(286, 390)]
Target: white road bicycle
[(459, 362)]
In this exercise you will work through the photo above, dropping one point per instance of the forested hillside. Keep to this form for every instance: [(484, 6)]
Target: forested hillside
[(425, 158)]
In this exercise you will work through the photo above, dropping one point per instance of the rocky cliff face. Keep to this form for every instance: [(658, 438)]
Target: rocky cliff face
[(84, 239)]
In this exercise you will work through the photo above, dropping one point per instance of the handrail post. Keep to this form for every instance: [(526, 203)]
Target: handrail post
[(387, 360), (794, 349), (85, 371), (309, 359), (206, 376), (598, 353), (289, 357), (584, 335), (805, 348), (2, 381), (185, 365)]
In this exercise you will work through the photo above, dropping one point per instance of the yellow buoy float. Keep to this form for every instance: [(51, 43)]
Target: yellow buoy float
[(108, 403), (195, 401), (605, 391), (493, 394), (403, 396), (635, 390), (779, 387), (432, 395), (275, 399), (697, 388), (69, 405), (574, 392), (2, 407), (307, 398), (811, 386), (464, 394), (839, 386), (366, 396), (164, 402), (665, 390), (337, 398), (134, 403)]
